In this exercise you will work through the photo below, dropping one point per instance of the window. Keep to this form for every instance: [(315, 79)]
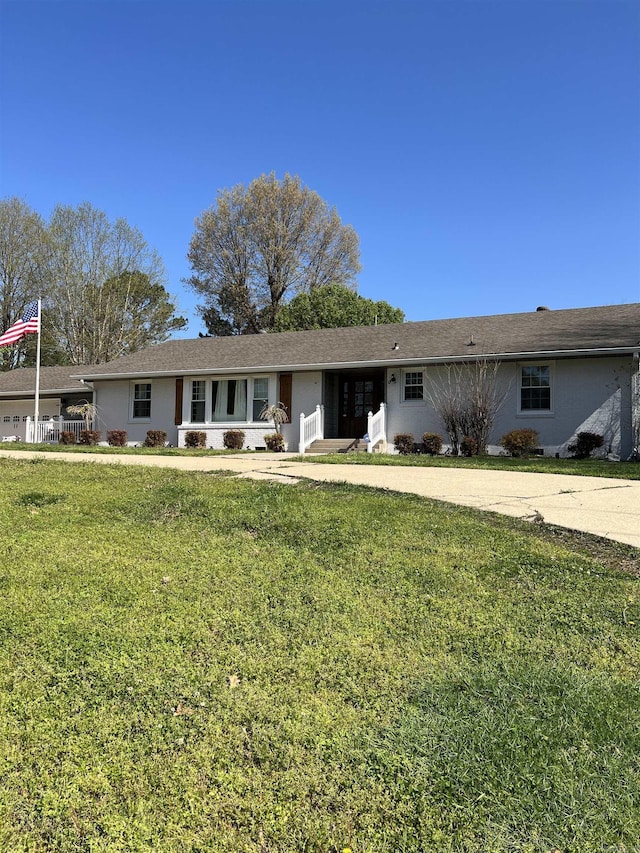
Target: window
[(229, 400), (198, 397), (413, 385), (260, 396), (7, 419), (219, 401), (535, 388), (141, 407)]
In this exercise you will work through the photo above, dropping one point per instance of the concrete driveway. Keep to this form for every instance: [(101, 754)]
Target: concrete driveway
[(604, 506)]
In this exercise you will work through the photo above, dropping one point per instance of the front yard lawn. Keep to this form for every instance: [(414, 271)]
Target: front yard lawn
[(536, 464), (192, 662)]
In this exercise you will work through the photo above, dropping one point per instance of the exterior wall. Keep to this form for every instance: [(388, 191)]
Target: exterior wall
[(113, 399), (588, 394), (306, 394)]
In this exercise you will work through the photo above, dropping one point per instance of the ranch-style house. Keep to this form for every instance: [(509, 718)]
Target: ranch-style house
[(559, 372)]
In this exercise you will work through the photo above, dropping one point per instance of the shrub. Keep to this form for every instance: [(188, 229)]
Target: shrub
[(520, 442), (403, 443), (67, 437), (468, 446), (89, 436), (432, 443), (117, 438), (194, 438), (233, 439), (274, 442), (155, 438), (585, 444)]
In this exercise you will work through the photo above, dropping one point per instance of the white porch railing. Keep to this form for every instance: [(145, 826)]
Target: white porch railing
[(311, 428), (48, 431), (376, 427)]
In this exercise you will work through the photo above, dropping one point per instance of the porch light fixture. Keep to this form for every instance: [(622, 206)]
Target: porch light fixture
[(395, 346), (392, 379)]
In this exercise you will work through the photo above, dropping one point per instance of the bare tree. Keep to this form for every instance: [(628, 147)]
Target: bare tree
[(262, 244), (467, 397), (106, 296), (22, 252)]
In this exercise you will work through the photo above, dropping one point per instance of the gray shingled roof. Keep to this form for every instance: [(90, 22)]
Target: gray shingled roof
[(52, 379), (614, 327)]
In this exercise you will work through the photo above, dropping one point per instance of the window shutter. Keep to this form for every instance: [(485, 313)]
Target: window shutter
[(179, 391), (284, 397)]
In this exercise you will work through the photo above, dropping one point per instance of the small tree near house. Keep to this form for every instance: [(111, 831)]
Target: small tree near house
[(86, 410), (468, 398), (276, 412)]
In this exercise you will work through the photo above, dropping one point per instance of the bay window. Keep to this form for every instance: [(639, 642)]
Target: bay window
[(237, 400)]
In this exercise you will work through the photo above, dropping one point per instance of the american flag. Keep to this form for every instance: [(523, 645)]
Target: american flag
[(29, 322)]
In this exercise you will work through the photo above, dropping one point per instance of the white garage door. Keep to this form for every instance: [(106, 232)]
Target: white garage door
[(14, 414)]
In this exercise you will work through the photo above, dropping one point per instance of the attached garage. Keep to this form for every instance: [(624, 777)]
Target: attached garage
[(17, 397)]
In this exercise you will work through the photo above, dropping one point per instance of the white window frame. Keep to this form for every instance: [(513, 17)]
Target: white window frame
[(404, 375), (133, 400), (536, 413), (204, 400), (209, 412)]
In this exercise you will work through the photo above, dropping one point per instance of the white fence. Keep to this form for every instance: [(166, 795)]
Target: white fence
[(376, 427), (311, 428), (48, 431)]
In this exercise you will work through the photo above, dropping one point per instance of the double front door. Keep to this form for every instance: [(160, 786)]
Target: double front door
[(359, 395)]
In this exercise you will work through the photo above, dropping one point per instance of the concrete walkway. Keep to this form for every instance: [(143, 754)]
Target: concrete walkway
[(604, 506)]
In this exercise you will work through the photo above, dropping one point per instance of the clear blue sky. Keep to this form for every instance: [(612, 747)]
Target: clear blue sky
[(487, 152)]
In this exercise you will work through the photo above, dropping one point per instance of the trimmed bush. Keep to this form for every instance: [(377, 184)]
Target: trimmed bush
[(520, 442), (404, 443), (585, 444), (233, 439), (194, 438), (117, 437), (67, 437), (155, 438), (89, 436), (468, 446), (274, 442), (432, 443)]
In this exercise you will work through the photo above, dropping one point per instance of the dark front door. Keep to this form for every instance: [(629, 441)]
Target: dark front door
[(359, 395)]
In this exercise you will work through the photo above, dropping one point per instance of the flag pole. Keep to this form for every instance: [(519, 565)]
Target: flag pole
[(36, 413)]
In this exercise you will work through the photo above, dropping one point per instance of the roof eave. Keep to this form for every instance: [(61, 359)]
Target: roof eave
[(345, 365), (31, 392)]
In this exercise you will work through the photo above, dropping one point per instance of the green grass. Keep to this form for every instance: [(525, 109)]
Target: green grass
[(191, 662), (536, 464), (118, 451)]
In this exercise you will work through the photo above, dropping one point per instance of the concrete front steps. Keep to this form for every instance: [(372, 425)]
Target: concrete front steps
[(337, 445)]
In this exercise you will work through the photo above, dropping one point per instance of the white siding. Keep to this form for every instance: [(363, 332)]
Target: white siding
[(588, 394), (113, 399)]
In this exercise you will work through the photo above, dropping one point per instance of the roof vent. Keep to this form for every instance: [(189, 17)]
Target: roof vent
[(542, 308)]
